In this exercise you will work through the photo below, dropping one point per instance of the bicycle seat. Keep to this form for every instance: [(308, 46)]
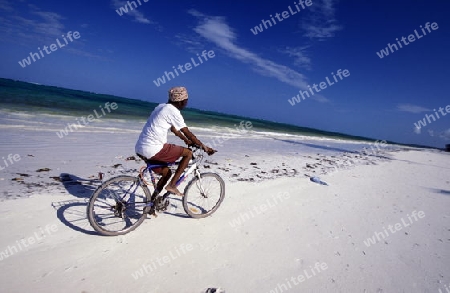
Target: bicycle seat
[(155, 162), (151, 162)]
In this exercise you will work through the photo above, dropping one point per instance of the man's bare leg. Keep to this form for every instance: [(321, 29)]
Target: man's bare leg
[(165, 173), (187, 156)]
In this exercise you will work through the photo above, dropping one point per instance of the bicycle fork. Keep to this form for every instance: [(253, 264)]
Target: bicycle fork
[(199, 183)]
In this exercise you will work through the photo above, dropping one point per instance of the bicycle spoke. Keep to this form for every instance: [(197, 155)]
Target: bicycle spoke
[(118, 206), (121, 204), (203, 195)]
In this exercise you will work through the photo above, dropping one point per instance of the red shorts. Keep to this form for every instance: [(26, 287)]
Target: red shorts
[(169, 154)]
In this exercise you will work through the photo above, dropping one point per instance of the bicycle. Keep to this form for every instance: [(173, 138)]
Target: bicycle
[(120, 204)]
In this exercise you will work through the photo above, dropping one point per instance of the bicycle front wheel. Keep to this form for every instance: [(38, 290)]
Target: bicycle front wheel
[(118, 206), (203, 195)]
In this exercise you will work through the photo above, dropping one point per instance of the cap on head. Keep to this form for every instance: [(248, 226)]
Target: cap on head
[(178, 94)]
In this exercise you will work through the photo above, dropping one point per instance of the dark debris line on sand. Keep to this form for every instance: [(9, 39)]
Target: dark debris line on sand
[(238, 170)]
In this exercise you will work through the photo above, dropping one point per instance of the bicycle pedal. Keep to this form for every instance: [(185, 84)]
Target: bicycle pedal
[(161, 204)]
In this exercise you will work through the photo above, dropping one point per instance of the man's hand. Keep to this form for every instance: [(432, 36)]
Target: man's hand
[(190, 136), (208, 150)]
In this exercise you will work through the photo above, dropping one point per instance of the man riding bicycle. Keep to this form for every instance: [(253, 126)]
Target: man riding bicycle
[(152, 143)]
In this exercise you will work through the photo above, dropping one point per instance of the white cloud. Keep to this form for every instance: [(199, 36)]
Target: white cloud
[(321, 22), (5, 5), (411, 108), (37, 26), (217, 31), (417, 130), (320, 99), (51, 24), (445, 134), (301, 58), (192, 44)]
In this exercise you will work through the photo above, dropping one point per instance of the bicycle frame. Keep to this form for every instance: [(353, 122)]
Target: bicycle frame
[(132, 205), (184, 175), (192, 168)]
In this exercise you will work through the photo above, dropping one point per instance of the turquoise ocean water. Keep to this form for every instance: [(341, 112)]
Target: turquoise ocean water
[(16, 96)]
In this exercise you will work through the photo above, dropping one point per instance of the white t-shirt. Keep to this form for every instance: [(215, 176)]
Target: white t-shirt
[(154, 134)]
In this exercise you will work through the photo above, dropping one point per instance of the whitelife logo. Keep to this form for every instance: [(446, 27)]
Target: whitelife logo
[(296, 280), (226, 136), (71, 127), (411, 38), (11, 158), (184, 68), (27, 242), (124, 9), (423, 123), (285, 14), (53, 47), (323, 85), (394, 228), (161, 261), (260, 209)]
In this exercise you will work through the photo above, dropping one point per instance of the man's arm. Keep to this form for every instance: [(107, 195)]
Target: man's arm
[(180, 135), (196, 141)]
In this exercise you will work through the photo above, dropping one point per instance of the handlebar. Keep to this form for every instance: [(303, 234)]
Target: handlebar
[(195, 147)]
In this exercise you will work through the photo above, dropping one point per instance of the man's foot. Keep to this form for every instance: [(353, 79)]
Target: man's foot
[(174, 190), (152, 212)]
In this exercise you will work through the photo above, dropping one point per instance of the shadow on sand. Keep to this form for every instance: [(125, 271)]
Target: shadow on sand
[(73, 213)]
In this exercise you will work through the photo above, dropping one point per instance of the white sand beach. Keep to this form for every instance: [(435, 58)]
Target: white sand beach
[(381, 225)]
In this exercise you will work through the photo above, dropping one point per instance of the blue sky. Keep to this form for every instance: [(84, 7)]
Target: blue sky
[(250, 75)]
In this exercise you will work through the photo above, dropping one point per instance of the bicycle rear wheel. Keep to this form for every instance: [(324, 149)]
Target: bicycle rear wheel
[(203, 196), (118, 206)]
